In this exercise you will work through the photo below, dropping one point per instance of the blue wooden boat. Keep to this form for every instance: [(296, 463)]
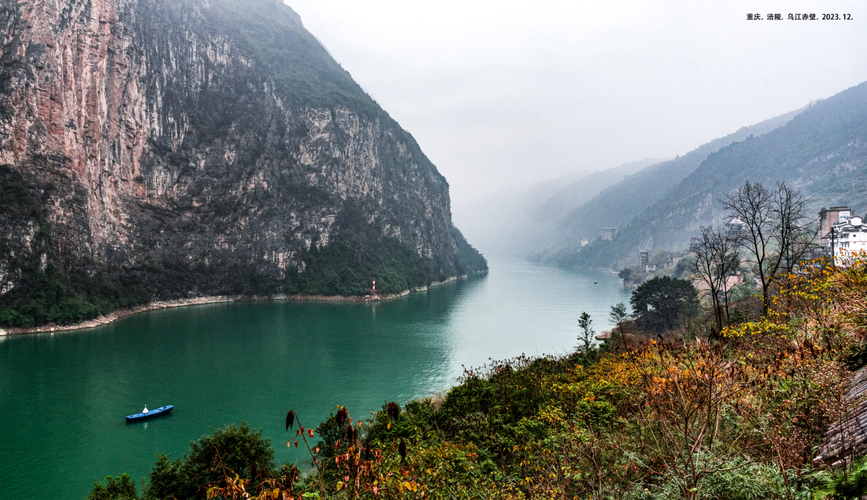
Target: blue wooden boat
[(162, 410)]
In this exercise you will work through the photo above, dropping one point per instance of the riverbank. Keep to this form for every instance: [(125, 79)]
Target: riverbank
[(168, 304), (626, 420)]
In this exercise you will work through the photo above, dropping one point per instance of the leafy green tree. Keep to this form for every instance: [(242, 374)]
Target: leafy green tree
[(663, 302), (586, 336), (618, 314), (119, 488), (231, 450), (625, 274), (682, 269)]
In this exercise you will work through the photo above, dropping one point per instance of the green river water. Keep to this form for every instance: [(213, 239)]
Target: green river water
[(63, 396)]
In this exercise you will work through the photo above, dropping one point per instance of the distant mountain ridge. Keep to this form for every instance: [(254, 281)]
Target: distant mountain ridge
[(576, 194), (617, 205), (510, 222), (822, 151)]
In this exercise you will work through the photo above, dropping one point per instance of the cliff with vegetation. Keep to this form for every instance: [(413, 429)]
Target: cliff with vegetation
[(161, 150)]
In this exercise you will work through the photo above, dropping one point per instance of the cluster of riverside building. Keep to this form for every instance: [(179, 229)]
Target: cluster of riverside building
[(841, 233)]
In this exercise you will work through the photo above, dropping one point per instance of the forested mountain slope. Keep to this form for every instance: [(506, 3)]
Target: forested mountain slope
[(617, 205), (822, 151)]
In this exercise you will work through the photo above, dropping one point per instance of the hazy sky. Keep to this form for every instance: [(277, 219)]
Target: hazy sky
[(503, 93)]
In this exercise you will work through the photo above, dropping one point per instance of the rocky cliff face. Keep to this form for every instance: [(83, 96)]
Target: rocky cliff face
[(165, 148)]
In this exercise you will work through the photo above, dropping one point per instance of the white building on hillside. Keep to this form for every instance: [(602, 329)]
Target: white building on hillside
[(848, 238)]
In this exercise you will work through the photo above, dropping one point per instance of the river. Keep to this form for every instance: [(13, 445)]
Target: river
[(63, 396)]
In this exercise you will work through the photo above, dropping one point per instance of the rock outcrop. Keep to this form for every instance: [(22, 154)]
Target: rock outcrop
[(158, 149)]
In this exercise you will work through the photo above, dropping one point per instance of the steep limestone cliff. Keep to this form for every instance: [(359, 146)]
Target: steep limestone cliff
[(159, 149)]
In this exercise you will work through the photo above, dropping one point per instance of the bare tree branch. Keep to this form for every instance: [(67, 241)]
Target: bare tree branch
[(715, 258), (774, 230)]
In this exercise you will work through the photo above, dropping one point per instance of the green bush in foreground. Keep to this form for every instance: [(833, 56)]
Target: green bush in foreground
[(233, 450), (119, 488), (230, 451)]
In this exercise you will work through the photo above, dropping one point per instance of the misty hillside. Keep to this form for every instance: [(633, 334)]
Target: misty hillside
[(620, 203), (822, 151), (511, 221), (579, 192)]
